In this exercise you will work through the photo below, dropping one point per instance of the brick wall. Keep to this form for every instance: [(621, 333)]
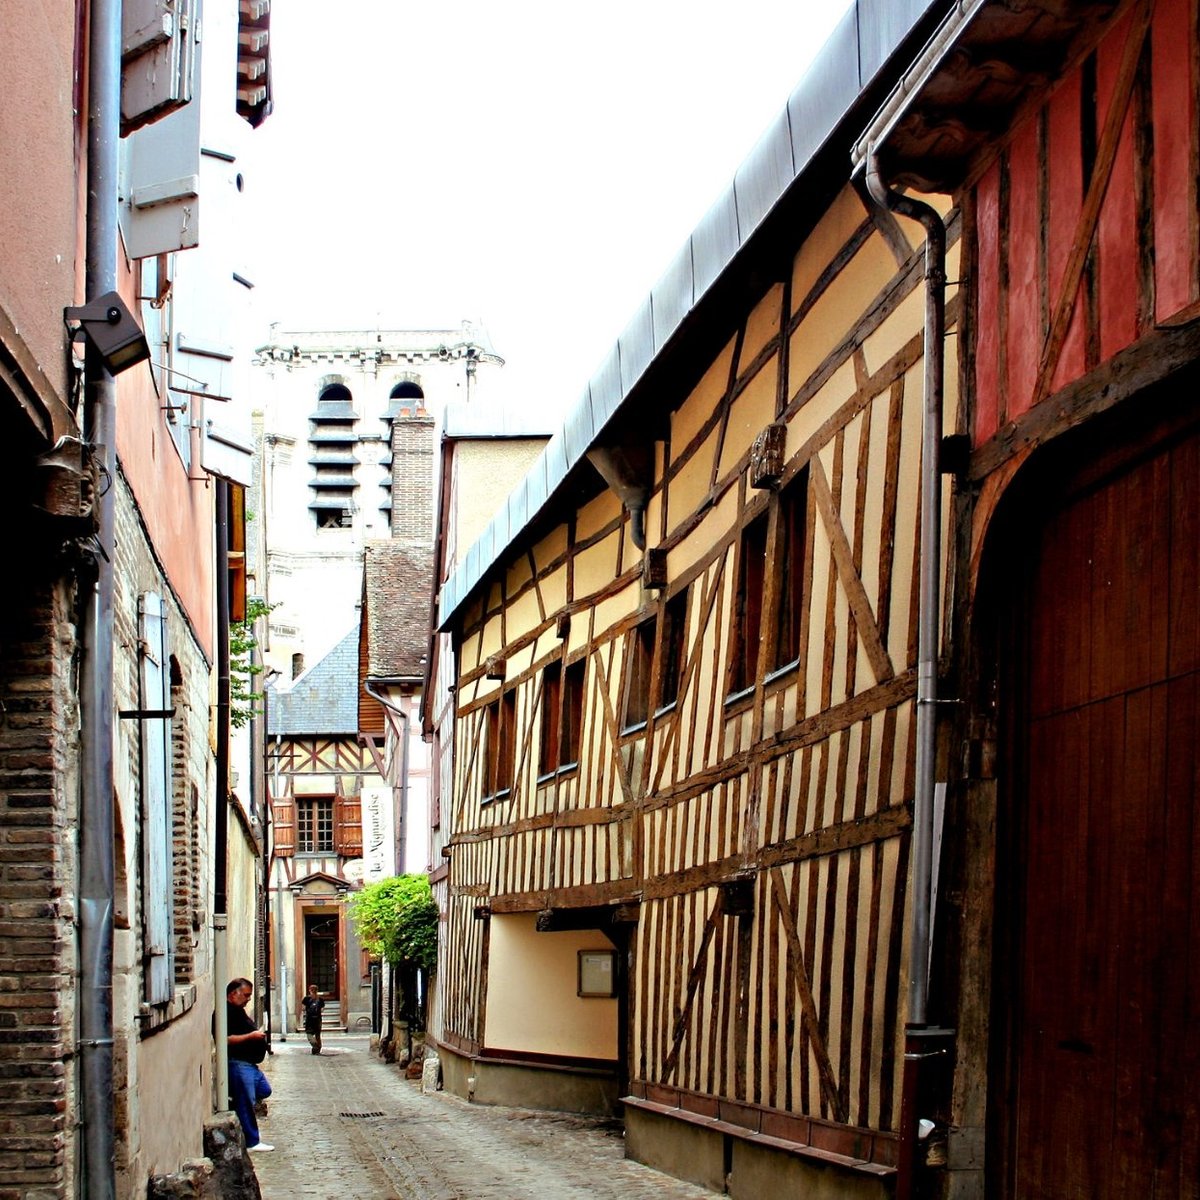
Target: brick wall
[(38, 719)]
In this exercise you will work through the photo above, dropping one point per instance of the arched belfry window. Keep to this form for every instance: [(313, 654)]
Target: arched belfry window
[(407, 389), (332, 441), (335, 393)]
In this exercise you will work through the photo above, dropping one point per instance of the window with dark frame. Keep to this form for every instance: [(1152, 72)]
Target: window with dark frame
[(572, 731), (562, 716), (748, 605), (789, 571), (508, 742), (491, 747), (551, 708), (639, 658), (674, 633), (314, 824), (499, 744)]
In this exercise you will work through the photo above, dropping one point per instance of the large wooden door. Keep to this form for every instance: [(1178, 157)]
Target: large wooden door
[(1098, 979), (321, 953)]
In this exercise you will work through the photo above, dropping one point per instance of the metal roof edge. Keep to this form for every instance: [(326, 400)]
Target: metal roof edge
[(854, 56)]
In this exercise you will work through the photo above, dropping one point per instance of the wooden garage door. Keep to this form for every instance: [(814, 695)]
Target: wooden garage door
[(1101, 987)]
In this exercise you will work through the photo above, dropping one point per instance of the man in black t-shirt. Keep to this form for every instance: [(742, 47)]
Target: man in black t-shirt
[(247, 1048), (312, 1014)]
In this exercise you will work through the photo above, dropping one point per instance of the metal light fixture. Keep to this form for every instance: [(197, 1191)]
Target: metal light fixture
[(111, 330)]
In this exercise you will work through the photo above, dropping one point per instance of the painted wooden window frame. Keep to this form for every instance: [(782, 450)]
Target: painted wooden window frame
[(639, 660), (308, 840), (571, 741), (548, 756), (788, 567), (500, 745), (746, 627), (674, 649)]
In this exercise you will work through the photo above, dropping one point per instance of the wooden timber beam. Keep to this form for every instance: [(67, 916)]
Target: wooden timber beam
[(808, 1007)]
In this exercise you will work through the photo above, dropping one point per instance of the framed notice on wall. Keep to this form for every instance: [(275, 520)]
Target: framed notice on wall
[(597, 973)]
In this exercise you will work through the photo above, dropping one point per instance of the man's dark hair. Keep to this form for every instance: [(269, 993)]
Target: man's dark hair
[(236, 985)]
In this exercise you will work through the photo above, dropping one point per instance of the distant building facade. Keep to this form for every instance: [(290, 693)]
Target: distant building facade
[(346, 472)]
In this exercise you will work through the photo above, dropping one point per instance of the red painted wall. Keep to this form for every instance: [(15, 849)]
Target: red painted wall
[(178, 511), (1008, 223)]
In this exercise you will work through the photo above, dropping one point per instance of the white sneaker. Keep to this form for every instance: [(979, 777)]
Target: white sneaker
[(259, 1147)]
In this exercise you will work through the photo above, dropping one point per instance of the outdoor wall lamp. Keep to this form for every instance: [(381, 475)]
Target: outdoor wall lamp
[(111, 330)]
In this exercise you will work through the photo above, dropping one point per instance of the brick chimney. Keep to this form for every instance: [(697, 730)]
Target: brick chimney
[(412, 475)]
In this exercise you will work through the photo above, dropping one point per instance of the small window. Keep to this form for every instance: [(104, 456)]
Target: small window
[(572, 731), (508, 742), (674, 644), (789, 561), (314, 819), (500, 744), (639, 658), (562, 716), (747, 621), (551, 709)]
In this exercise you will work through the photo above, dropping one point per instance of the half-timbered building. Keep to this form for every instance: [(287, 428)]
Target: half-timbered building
[(317, 772), (825, 769)]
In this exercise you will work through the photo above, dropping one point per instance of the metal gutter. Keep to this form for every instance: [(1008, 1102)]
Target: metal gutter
[(221, 798), (851, 61), (928, 623), (97, 793), (921, 1040)]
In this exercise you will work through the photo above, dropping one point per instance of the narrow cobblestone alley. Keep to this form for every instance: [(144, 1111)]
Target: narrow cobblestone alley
[(403, 1145)]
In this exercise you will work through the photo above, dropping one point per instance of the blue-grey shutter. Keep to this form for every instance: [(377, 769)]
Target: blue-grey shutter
[(156, 800), (158, 46)]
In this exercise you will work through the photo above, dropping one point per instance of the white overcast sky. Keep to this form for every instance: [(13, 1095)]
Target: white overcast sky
[(532, 165)]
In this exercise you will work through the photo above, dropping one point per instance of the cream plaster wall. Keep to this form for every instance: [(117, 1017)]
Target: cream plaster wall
[(531, 1001), (174, 1088), (485, 472)]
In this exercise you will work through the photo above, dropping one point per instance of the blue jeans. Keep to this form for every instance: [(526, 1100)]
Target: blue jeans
[(247, 1086)]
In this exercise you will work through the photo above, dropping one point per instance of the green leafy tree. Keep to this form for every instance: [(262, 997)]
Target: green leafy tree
[(397, 920), (244, 702)]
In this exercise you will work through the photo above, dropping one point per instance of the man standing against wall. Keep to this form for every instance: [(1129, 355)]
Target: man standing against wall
[(247, 1048)]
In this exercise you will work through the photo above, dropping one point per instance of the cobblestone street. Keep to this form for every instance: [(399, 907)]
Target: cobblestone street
[(402, 1145)]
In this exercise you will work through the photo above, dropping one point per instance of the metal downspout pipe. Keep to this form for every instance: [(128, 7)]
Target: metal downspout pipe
[(280, 962), (928, 623), (96, 799), (221, 806)]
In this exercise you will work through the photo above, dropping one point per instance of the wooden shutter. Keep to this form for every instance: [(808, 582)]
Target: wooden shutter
[(283, 821), (158, 58), (157, 857), (347, 826)]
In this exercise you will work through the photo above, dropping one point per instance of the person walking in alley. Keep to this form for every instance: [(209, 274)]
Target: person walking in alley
[(312, 1016), (247, 1048)]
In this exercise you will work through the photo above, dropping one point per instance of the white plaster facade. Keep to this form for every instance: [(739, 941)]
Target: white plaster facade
[(314, 574)]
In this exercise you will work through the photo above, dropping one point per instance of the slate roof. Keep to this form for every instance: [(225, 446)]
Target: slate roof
[(324, 699), (397, 584)]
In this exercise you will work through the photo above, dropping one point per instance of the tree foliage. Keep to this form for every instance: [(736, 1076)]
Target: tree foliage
[(397, 920), (244, 702)]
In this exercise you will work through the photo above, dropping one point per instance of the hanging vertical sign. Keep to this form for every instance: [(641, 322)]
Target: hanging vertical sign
[(379, 853)]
